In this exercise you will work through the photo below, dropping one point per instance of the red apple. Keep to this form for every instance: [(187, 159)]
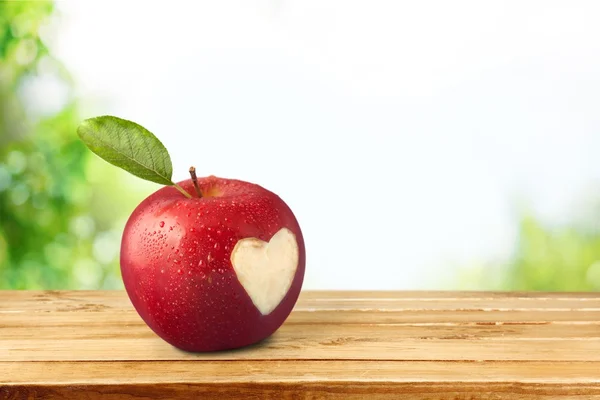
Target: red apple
[(215, 272)]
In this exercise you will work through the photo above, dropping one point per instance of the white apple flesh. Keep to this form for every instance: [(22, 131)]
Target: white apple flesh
[(266, 270)]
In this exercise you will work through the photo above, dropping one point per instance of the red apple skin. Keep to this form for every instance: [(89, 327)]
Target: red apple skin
[(176, 263)]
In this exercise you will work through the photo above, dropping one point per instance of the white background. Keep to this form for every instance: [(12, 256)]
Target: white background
[(404, 135)]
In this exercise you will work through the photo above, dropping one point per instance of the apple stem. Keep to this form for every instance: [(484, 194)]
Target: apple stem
[(195, 180), (186, 194)]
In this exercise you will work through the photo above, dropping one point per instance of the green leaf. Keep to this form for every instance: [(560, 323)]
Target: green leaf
[(129, 146)]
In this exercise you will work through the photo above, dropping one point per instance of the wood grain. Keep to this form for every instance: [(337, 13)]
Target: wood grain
[(351, 345)]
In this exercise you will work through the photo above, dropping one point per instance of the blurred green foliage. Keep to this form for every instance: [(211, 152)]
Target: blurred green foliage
[(555, 258), (546, 258), (59, 227)]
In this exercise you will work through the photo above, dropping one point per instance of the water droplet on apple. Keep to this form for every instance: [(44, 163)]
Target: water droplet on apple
[(217, 245), (162, 224), (200, 263), (192, 230), (180, 271)]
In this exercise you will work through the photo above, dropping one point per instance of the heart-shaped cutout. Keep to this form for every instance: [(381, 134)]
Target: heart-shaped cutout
[(266, 269)]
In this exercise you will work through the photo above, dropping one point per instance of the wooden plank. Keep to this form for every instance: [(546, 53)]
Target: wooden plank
[(317, 332), (311, 390), (443, 317), (18, 301), (280, 347), (77, 373), (425, 345), (111, 327), (24, 301), (342, 317), (301, 379), (395, 318), (447, 294)]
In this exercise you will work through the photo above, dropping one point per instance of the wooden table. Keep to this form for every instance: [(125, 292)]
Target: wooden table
[(347, 345)]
